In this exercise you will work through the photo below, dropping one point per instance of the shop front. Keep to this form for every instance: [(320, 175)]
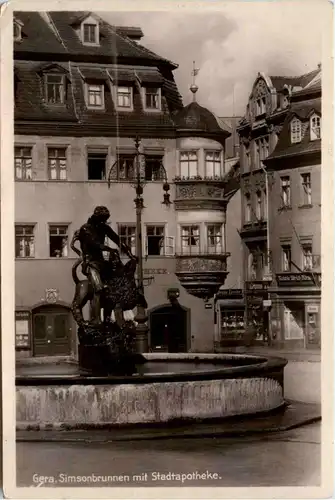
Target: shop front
[(230, 314), (296, 311)]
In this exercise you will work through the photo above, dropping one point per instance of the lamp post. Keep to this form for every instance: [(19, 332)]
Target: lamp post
[(141, 315), (268, 276)]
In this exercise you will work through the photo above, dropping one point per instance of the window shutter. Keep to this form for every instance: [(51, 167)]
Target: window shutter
[(169, 246)]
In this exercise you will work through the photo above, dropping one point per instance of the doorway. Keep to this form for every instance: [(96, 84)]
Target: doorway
[(51, 331), (169, 329)]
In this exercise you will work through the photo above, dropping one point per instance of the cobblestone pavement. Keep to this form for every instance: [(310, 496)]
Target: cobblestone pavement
[(290, 458)]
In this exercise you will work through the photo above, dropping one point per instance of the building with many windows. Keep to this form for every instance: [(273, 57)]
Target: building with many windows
[(294, 169), (83, 91), (270, 102)]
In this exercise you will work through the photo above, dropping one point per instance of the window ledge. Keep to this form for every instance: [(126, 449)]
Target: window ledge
[(24, 258), (306, 206), (95, 108), (152, 110), (283, 208), (124, 108)]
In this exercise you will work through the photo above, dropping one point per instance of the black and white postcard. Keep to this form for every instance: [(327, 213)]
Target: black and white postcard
[(167, 249)]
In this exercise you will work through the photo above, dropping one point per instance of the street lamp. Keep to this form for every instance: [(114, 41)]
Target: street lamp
[(140, 180)]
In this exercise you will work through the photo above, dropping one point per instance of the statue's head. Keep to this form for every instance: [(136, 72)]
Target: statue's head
[(101, 214)]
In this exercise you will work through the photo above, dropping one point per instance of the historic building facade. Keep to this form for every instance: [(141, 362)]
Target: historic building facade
[(295, 223), (84, 90), (245, 309)]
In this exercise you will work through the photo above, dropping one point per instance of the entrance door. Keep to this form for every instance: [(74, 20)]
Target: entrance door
[(51, 332), (168, 329)]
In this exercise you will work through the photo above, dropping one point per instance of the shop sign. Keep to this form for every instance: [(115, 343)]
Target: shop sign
[(231, 293), (208, 306), (267, 303), (22, 337), (257, 286), (296, 279), (312, 309)]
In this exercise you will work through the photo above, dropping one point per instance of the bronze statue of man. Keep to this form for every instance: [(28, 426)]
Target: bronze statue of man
[(92, 236)]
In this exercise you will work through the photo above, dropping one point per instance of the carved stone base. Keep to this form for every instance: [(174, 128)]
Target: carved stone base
[(108, 349)]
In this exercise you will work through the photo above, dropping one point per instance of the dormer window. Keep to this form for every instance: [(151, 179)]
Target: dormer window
[(124, 97), (315, 126), (90, 31), (152, 98), (295, 131), (95, 98), (55, 88), (260, 106)]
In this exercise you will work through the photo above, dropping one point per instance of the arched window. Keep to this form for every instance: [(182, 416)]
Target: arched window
[(315, 125), (295, 130)]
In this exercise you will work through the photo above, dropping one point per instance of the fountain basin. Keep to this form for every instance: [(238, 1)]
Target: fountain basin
[(168, 388)]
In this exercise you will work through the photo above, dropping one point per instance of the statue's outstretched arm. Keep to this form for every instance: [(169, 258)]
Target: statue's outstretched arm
[(74, 240)]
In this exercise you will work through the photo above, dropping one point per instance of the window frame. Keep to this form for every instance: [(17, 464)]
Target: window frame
[(144, 99), (24, 226), (125, 238), (314, 136), (247, 208), (58, 226), (58, 159), (219, 246), (90, 155), (295, 130), (24, 158), (163, 236), (87, 96), (306, 188), (220, 162), (61, 85), (97, 33), (189, 237), (188, 152), (284, 204), (286, 247), (304, 245), (131, 95)]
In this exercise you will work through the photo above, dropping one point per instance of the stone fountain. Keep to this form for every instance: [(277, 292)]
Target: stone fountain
[(113, 385)]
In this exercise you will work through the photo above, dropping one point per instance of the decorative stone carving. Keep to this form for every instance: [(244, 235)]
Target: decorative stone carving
[(201, 194), (202, 276), (260, 89)]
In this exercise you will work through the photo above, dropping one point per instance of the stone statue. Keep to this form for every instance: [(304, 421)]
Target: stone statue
[(110, 287)]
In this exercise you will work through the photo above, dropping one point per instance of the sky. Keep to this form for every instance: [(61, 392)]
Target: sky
[(230, 46)]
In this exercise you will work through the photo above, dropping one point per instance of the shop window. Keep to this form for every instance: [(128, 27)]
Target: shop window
[(22, 329), (57, 164), (188, 162), (232, 323), (155, 240), (24, 241), (96, 164), (58, 241), (190, 239), (23, 163), (127, 234)]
